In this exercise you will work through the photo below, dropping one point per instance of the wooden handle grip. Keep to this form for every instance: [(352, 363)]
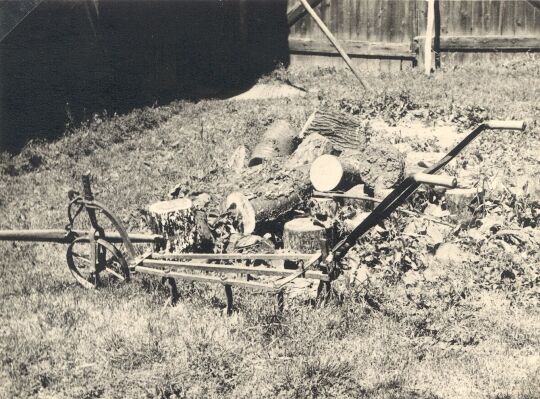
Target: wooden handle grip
[(438, 180), (510, 125)]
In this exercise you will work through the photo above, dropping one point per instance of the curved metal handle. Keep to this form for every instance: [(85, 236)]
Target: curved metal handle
[(510, 125), (438, 180)]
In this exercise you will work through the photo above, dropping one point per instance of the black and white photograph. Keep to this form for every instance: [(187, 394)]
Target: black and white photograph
[(270, 199)]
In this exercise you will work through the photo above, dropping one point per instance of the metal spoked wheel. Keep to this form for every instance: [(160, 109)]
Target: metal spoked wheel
[(110, 266)]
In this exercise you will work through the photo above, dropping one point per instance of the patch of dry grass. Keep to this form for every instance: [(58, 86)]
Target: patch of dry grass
[(448, 338)]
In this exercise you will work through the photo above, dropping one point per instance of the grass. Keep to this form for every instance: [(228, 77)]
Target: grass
[(463, 334)]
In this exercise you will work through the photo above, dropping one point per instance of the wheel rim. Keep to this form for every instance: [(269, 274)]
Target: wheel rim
[(114, 270)]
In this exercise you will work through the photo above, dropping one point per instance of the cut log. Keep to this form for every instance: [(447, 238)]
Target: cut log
[(176, 221), (326, 173), (309, 149), (463, 202), (277, 140), (304, 235), (344, 131), (376, 167), (271, 199)]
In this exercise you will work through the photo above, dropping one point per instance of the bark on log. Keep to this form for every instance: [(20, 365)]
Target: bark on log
[(345, 132), (269, 197), (176, 221), (302, 235), (277, 140), (309, 149), (375, 166)]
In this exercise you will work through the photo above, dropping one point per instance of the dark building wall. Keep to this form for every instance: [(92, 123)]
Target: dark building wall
[(69, 59)]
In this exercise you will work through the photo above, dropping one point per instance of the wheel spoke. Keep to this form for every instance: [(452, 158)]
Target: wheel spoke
[(117, 275), (83, 258)]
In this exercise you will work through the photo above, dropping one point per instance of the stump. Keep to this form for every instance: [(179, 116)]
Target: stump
[(302, 235), (176, 221), (277, 140)]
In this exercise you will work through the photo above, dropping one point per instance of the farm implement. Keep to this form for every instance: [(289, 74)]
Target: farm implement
[(104, 252)]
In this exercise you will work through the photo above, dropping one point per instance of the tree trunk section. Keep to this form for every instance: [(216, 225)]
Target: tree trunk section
[(177, 222), (345, 132), (375, 166), (269, 198), (302, 235), (277, 140), (309, 149)]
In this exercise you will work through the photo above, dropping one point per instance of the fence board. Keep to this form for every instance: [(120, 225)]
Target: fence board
[(399, 21)]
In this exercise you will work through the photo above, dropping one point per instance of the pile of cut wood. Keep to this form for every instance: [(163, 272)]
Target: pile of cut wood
[(299, 191), (288, 193)]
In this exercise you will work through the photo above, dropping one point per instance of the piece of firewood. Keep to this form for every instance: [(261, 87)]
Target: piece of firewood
[(269, 197), (176, 221), (304, 235), (376, 167), (344, 131), (277, 140), (309, 149)]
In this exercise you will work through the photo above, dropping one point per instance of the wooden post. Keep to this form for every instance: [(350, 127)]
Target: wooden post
[(334, 41), (429, 35), (437, 37)]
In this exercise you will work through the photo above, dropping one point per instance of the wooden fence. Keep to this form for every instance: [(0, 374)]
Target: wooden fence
[(389, 33)]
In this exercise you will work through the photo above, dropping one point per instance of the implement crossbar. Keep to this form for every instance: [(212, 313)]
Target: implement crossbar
[(206, 279), (255, 270), (234, 256)]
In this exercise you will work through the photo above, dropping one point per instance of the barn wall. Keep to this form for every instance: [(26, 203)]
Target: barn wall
[(68, 60)]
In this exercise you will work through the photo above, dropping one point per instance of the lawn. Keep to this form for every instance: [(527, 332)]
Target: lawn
[(464, 326)]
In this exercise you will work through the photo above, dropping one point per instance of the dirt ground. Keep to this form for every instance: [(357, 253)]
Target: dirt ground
[(423, 312)]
